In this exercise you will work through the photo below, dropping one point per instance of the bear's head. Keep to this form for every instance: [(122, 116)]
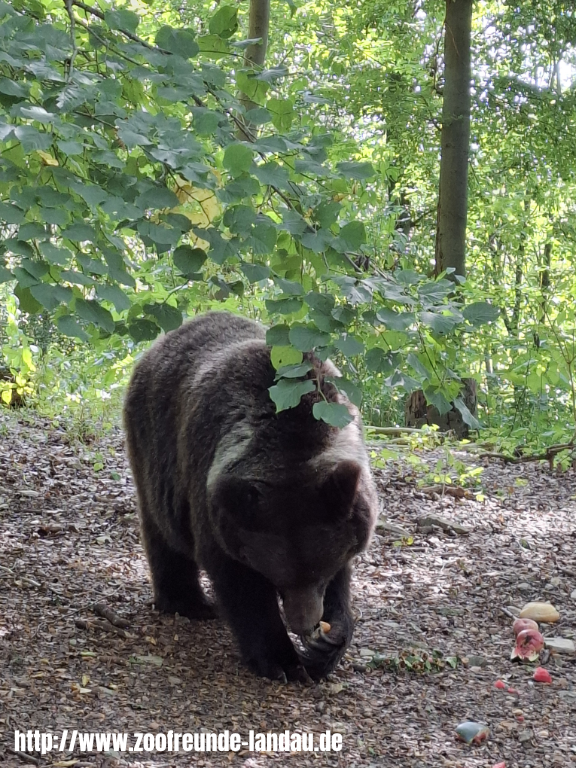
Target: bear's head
[(297, 529)]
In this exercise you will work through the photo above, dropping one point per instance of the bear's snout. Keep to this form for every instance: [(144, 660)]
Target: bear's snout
[(303, 609)]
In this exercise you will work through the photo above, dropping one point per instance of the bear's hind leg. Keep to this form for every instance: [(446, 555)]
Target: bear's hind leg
[(174, 576)]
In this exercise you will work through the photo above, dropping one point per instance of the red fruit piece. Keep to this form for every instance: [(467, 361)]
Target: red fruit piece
[(521, 624), (542, 675), (513, 691), (499, 765), (529, 643), (500, 684)]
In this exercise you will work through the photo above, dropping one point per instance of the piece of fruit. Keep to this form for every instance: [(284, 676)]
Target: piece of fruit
[(521, 624), (500, 684), (325, 627), (544, 612), (472, 733), (542, 675), (529, 643)]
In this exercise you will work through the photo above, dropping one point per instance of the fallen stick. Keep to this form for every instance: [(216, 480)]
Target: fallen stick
[(108, 613), (24, 756), (105, 626)]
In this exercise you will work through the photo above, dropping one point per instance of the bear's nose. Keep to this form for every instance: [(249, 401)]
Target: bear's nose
[(303, 609)]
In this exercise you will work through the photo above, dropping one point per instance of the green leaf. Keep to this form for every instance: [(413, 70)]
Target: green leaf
[(287, 393), (19, 247), (292, 370), (68, 326), (26, 301), (249, 84), (224, 22), (255, 272), (10, 214), (467, 416), (273, 175), (439, 323), (351, 390), (178, 41), (122, 19), (379, 361), (438, 400), (239, 219), (321, 302), (47, 295), (258, 116), (167, 317), (335, 414), (358, 171), (76, 278), (79, 233), (143, 330), (286, 357), (237, 158), (159, 234), (25, 278), (282, 111), (396, 321), (92, 312), (189, 260), (277, 336), (353, 234), (213, 46), (289, 287), (114, 295), (33, 139), (262, 239), (32, 230), (5, 275), (417, 366), (157, 198), (70, 147), (206, 121), (305, 338), (481, 312), (283, 306), (349, 345)]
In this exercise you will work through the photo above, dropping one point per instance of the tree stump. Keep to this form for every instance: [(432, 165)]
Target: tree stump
[(418, 412)]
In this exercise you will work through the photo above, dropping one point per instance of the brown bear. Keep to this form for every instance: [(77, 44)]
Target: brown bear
[(268, 504)]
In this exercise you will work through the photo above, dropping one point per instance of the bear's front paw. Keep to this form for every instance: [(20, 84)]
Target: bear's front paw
[(323, 650), (283, 672)]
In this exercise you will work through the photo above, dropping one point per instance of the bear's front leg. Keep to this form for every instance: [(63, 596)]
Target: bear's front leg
[(323, 653), (250, 605)]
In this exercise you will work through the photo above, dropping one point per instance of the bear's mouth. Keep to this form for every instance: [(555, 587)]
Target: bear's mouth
[(303, 609)]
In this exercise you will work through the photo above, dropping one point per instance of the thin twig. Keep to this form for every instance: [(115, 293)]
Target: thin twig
[(24, 756)]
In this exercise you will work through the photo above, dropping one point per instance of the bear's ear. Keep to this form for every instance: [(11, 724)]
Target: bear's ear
[(236, 499), (339, 489)]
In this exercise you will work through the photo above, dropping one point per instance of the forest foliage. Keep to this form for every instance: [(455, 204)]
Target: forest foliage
[(136, 190)]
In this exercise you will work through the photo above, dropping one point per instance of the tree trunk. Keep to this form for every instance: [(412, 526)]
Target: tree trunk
[(255, 54), (455, 139), (417, 412)]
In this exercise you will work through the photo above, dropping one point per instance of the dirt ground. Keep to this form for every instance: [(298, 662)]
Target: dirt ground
[(69, 539)]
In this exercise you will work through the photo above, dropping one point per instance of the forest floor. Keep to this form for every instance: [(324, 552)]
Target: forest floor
[(69, 539)]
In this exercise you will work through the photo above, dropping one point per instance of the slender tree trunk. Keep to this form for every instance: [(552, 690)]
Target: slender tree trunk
[(255, 53), (544, 289), (455, 139)]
